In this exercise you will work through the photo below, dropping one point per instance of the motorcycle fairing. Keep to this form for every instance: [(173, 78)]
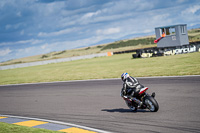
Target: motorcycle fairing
[(143, 90)]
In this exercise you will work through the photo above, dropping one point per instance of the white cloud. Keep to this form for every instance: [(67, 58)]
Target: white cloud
[(28, 42), (191, 10), (108, 31), (190, 15), (193, 24), (5, 52), (91, 14), (57, 33), (44, 46), (14, 26)]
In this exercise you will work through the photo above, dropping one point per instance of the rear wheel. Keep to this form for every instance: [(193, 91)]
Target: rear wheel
[(152, 104), (131, 106)]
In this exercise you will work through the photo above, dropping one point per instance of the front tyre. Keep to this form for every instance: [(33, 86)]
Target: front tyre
[(151, 104)]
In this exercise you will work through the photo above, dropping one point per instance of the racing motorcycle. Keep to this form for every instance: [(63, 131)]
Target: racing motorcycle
[(148, 101)]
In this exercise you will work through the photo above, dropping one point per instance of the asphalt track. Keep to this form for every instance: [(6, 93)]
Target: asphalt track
[(98, 104)]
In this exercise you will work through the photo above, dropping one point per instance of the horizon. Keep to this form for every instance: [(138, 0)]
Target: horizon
[(36, 27)]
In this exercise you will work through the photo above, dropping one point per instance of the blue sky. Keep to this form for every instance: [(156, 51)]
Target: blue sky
[(32, 27)]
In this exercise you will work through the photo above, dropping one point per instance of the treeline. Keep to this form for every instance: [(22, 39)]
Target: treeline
[(145, 41)]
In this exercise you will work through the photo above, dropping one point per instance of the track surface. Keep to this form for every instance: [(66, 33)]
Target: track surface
[(98, 104)]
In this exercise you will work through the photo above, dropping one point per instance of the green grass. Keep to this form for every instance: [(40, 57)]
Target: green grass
[(105, 67), (11, 128)]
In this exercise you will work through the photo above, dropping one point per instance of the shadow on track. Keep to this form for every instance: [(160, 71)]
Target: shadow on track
[(121, 110)]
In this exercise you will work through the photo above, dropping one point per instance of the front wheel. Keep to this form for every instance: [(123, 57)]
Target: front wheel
[(152, 104)]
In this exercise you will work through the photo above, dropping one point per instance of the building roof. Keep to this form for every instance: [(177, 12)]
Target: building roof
[(169, 26)]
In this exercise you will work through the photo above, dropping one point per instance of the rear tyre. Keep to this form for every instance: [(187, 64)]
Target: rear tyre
[(151, 104), (133, 108)]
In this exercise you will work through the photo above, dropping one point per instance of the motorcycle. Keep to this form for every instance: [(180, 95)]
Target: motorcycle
[(148, 101)]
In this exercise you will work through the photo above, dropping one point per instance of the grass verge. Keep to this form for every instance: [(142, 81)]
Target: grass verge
[(11, 128), (105, 67)]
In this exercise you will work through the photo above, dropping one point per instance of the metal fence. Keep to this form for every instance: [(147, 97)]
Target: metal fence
[(52, 61)]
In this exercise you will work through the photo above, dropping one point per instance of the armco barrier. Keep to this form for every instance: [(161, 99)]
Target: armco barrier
[(54, 61)]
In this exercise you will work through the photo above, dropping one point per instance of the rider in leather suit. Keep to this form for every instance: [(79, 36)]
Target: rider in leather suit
[(131, 88)]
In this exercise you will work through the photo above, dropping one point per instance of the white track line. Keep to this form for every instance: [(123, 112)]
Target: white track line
[(58, 122)]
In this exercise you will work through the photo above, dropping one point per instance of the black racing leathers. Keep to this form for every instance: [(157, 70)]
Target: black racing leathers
[(131, 88)]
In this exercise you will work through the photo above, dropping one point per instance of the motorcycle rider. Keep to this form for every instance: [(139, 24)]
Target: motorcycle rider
[(131, 88)]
